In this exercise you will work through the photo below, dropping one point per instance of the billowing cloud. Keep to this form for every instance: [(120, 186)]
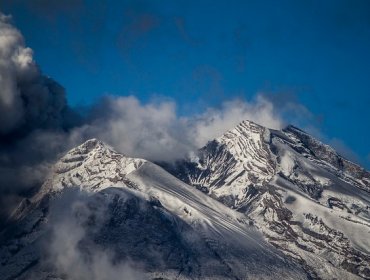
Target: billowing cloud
[(214, 122), (151, 131), (31, 104), (154, 131), (28, 99), (37, 126)]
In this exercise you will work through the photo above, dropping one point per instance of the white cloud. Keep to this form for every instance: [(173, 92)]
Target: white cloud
[(215, 122), (144, 130), (154, 131)]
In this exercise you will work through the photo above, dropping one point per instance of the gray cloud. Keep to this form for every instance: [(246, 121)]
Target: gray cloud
[(66, 252), (28, 100), (34, 114)]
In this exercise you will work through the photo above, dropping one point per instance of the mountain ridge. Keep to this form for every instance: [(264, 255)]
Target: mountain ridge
[(187, 236), (300, 169), (257, 203)]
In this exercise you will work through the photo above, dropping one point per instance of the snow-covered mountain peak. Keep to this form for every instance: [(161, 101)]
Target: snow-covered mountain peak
[(171, 230), (92, 166), (244, 129), (309, 203), (228, 165), (247, 141), (300, 192), (88, 148), (90, 145)]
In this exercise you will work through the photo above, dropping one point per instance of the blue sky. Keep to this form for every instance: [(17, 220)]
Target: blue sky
[(201, 53)]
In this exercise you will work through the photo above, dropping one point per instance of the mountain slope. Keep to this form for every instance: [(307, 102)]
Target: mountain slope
[(257, 203), (97, 202), (308, 201)]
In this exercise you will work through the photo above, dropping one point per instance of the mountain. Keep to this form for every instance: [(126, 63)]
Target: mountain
[(309, 202), (143, 216), (255, 203)]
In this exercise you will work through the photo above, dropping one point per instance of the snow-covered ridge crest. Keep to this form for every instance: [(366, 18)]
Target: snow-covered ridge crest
[(323, 155), (92, 166)]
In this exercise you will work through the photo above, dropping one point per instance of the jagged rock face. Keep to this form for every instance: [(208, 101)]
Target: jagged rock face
[(323, 245), (309, 201), (231, 165)]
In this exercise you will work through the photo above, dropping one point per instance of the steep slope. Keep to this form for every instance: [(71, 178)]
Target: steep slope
[(141, 215), (309, 201), (325, 156)]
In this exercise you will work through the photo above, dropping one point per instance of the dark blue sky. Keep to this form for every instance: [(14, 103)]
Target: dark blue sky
[(200, 53)]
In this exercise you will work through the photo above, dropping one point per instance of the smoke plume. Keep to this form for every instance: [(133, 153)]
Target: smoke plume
[(37, 126)]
